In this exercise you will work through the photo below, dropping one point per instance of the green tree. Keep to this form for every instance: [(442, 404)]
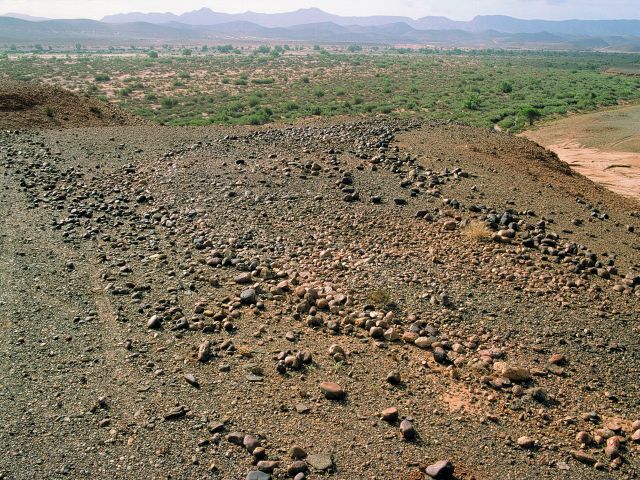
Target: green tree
[(531, 114), (225, 48)]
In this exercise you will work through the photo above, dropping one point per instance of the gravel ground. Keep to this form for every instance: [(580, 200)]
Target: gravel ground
[(211, 303)]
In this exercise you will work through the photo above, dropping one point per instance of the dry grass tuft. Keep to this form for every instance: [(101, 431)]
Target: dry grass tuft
[(478, 232), (379, 297)]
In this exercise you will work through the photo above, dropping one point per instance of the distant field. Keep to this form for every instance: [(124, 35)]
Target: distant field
[(280, 84)]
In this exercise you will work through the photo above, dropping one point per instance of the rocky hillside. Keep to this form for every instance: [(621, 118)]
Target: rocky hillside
[(362, 300), (36, 106)]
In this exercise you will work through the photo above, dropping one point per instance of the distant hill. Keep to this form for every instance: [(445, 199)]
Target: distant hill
[(206, 16), (13, 30), (499, 23), (22, 16), (16, 30), (566, 27)]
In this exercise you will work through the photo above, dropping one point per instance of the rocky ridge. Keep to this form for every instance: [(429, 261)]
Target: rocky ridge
[(284, 302)]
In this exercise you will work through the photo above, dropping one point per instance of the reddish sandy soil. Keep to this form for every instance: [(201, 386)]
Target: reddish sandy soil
[(603, 146)]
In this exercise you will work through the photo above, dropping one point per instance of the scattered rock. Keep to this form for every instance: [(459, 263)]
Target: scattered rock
[(248, 296), (390, 414), (332, 391), (154, 322), (526, 442), (236, 438), (583, 457), (320, 461), (394, 378), (258, 475), (408, 431), (512, 372), (243, 278), (191, 380), (440, 470), (175, 413), (297, 453)]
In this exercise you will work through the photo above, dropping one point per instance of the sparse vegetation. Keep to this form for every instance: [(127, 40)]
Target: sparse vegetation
[(483, 88)]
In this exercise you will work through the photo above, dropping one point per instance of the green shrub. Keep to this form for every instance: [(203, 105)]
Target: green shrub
[(506, 87), (290, 106), (254, 101), (169, 102), (472, 102)]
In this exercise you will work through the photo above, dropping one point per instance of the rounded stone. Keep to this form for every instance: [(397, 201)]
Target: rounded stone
[(332, 391), (390, 414), (440, 470)]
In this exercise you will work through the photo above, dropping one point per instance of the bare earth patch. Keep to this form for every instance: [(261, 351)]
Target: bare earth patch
[(618, 171), (603, 146)]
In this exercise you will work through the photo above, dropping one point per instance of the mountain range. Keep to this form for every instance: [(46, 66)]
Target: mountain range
[(313, 25), (504, 24)]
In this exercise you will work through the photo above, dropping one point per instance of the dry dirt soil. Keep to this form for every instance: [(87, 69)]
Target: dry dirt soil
[(361, 299), (604, 146)]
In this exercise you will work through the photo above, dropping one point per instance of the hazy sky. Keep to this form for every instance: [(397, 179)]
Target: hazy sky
[(457, 9)]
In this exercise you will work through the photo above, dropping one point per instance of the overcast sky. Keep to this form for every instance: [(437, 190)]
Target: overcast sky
[(456, 9)]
